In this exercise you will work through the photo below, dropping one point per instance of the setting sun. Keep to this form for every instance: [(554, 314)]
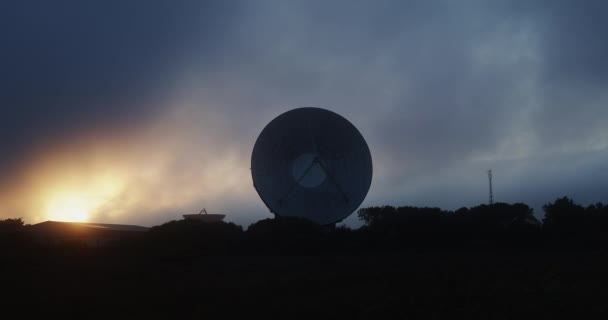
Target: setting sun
[(69, 207), (76, 195)]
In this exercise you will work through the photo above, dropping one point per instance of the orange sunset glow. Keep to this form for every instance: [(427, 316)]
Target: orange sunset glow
[(111, 177), (69, 207)]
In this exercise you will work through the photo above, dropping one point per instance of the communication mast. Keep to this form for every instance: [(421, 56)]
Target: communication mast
[(490, 184)]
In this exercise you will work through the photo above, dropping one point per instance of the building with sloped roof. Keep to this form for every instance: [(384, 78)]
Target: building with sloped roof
[(54, 233)]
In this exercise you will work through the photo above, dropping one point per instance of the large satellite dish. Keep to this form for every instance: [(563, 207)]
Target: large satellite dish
[(311, 163)]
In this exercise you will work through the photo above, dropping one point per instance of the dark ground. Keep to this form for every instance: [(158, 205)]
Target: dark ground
[(105, 283), (486, 262)]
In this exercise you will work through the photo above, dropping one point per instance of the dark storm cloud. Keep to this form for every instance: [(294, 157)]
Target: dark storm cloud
[(412, 69), (73, 67), (442, 90), (444, 87), (573, 36), (574, 74)]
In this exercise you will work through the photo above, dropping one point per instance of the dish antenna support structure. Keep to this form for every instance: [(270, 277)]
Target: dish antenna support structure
[(311, 163)]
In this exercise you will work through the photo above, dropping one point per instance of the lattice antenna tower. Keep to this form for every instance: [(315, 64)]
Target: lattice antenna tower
[(490, 185)]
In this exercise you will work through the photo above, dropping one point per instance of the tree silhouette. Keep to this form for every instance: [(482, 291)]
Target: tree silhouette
[(563, 215), (502, 217), (11, 225)]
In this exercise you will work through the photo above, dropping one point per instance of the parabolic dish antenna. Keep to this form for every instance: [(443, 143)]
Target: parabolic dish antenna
[(311, 163)]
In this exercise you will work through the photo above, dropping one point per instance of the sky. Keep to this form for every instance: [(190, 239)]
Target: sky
[(141, 111)]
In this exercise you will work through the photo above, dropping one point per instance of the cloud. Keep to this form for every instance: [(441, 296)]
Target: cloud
[(170, 96), (72, 67)]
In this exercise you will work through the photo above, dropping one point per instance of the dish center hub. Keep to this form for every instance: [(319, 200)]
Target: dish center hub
[(307, 171)]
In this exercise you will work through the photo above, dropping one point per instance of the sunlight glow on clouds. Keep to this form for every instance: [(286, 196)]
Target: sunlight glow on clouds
[(155, 113), (174, 163)]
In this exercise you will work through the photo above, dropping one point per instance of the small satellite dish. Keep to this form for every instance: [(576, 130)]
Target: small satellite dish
[(311, 163), (207, 218)]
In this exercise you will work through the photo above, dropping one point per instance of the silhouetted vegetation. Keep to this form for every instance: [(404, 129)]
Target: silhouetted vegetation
[(566, 225), (570, 225), (564, 215), (11, 225), (496, 226), (11, 237), (488, 261)]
